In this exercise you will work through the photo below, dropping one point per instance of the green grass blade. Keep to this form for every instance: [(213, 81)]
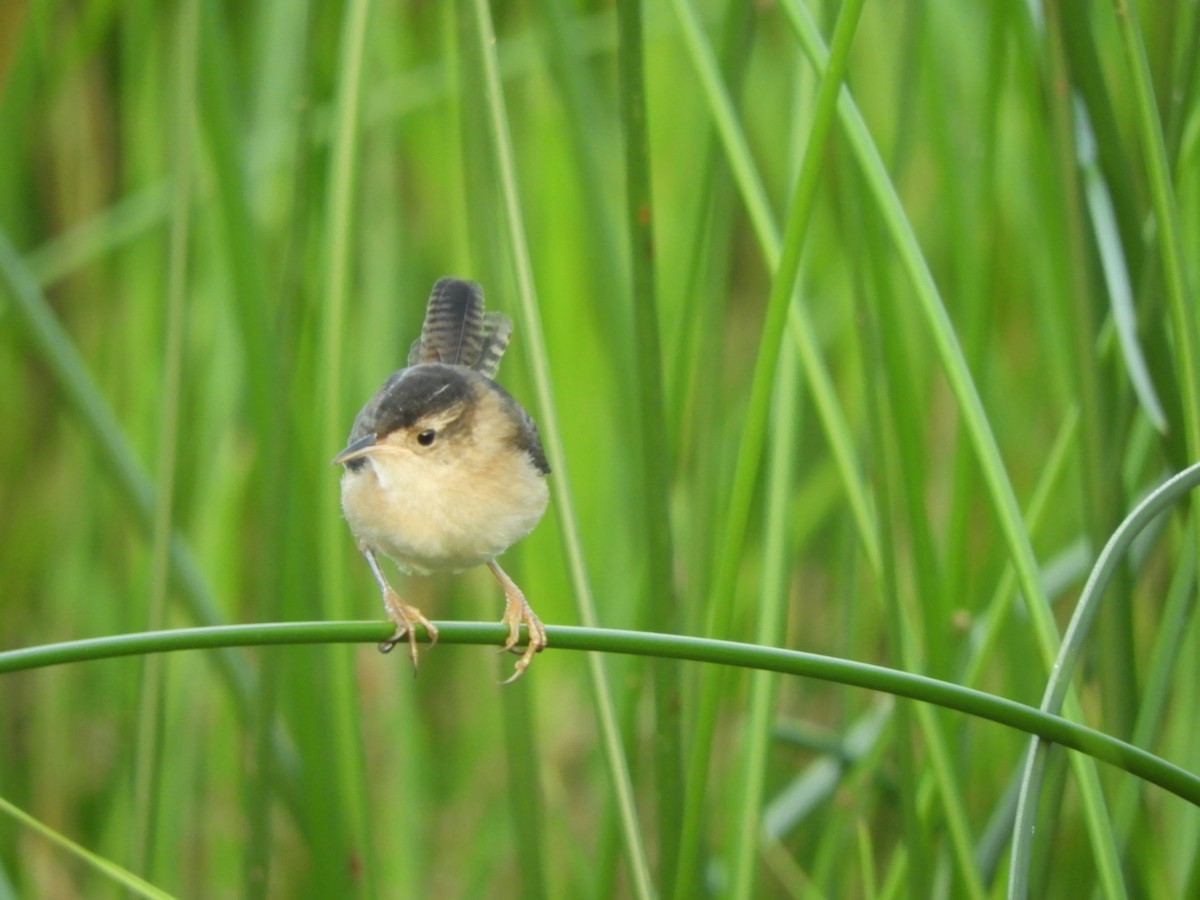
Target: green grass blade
[(110, 870), (148, 749), (55, 348), (975, 421), (948, 695), (614, 754), (349, 776), (720, 599), (773, 596), (1116, 272), (942, 330), (660, 601), (1088, 607), (754, 196), (1177, 280)]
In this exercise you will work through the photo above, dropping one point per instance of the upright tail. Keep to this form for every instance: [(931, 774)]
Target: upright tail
[(458, 332)]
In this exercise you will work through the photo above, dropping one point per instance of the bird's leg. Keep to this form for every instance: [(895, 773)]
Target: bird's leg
[(403, 614), (516, 612)]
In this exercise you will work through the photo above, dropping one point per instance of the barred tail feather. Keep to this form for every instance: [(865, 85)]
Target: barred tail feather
[(457, 332), (497, 329), (453, 329)]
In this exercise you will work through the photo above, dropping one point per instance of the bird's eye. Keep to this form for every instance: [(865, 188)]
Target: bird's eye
[(426, 437)]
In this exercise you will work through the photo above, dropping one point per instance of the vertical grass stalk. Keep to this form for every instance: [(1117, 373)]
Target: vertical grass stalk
[(348, 762), (1077, 632), (659, 600), (774, 594), (147, 750), (618, 768), (720, 599)]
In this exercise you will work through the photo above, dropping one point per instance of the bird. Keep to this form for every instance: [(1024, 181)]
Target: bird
[(444, 469)]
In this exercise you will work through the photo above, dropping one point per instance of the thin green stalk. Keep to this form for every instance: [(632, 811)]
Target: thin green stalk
[(1096, 744), (720, 599), (147, 749), (891, 394), (111, 870), (1167, 234), (901, 644), (588, 112), (520, 726), (996, 612), (1100, 491), (1153, 713), (975, 422), (803, 332), (263, 335), (1160, 500), (747, 832), (531, 326), (66, 366), (348, 764), (655, 472), (1111, 253)]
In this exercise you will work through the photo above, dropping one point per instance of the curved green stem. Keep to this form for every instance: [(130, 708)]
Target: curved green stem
[(1160, 500), (531, 326), (1072, 735)]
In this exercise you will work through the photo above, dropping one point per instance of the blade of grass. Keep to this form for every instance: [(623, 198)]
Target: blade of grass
[(349, 795), (1101, 500), (901, 491), (1087, 741), (58, 353), (999, 607), (978, 429), (936, 779), (1167, 234), (719, 601), (520, 727), (803, 332), (748, 823), (1116, 273), (1154, 713), (660, 601), (618, 767), (147, 753), (264, 337), (1160, 500), (111, 870), (699, 326), (900, 639)]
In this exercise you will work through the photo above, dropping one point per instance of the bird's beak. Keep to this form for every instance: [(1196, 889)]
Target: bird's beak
[(361, 447)]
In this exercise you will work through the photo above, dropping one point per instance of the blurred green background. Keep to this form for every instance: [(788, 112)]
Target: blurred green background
[(218, 227)]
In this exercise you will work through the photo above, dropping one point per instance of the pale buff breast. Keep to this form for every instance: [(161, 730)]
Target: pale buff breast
[(432, 517)]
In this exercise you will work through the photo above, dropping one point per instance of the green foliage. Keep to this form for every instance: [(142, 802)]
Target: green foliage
[(873, 374)]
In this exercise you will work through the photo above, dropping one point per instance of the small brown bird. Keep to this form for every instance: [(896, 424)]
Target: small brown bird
[(444, 470)]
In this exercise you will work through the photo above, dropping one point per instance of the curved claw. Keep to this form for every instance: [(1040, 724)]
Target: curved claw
[(401, 613), (517, 612), (406, 618), (525, 660)]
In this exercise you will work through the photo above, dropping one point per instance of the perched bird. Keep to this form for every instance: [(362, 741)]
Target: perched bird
[(444, 470)]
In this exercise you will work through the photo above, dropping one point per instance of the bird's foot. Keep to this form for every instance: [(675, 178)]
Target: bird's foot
[(406, 617), (517, 612)]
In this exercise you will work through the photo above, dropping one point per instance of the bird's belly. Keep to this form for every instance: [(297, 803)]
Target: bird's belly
[(431, 524)]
